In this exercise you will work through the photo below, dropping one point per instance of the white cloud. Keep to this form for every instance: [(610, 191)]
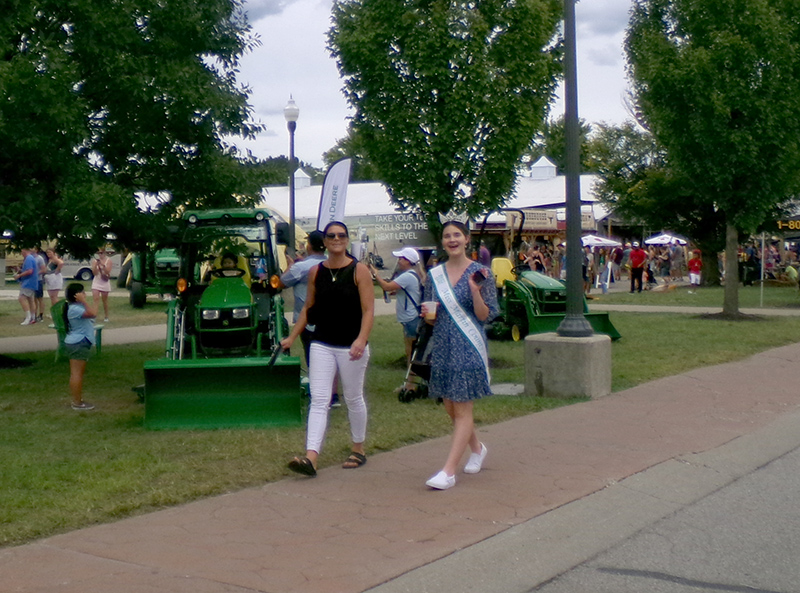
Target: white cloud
[(602, 17), (607, 55), (258, 9)]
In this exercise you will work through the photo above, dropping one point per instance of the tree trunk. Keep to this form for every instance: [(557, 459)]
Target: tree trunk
[(711, 273), (730, 305)]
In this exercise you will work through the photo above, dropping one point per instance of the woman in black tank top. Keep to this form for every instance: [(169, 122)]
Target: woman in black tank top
[(337, 310), (340, 303)]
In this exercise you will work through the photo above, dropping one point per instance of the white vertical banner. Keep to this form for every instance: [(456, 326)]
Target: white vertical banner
[(334, 193)]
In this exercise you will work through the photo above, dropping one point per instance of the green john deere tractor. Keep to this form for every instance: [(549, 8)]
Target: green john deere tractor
[(533, 303), (151, 271), (223, 365)]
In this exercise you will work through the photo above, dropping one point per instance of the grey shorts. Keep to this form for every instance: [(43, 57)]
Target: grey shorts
[(27, 293), (410, 328), (79, 351)]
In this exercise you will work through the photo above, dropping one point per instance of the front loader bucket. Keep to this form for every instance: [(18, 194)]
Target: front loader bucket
[(549, 322), (222, 393), (543, 324), (601, 324)]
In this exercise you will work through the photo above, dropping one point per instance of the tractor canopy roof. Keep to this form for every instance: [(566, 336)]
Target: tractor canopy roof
[(249, 223), (221, 215)]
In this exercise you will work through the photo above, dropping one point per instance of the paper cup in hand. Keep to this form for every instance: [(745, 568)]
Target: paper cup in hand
[(430, 309)]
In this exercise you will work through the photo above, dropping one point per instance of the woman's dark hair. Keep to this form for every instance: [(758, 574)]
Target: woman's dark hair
[(459, 225), (72, 289), (344, 226), (335, 223)]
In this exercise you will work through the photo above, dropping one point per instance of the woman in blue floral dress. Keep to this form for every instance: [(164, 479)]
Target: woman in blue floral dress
[(466, 298)]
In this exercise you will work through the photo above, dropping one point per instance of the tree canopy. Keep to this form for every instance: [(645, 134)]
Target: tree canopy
[(551, 141), (637, 181), (717, 82), (351, 146), (104, 102), (447, 94)]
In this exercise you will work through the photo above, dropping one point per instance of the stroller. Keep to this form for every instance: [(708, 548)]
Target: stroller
[(419, 371)]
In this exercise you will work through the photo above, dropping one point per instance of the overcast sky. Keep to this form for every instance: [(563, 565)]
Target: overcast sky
[(292, 60)]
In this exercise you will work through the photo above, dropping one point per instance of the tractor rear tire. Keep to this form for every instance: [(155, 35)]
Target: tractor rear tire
[(138, 297), (122, 279)]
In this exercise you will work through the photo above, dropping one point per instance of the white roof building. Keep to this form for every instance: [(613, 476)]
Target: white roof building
[(382, 227), (370, 199)]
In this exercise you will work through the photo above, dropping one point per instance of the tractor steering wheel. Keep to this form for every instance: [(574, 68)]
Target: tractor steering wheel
[(228, 273), (519, 268)]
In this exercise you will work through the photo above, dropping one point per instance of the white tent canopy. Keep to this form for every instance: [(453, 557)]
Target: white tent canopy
[(597, 241), (664, 239)]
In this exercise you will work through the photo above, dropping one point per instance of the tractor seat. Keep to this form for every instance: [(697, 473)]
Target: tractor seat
[(503, 269), (241, 264)]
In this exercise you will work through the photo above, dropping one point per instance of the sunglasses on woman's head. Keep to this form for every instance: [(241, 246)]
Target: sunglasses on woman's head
[(336, 235)]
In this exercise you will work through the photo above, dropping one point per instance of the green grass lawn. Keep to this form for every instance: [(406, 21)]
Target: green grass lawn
[(780, 297), (64, 470)]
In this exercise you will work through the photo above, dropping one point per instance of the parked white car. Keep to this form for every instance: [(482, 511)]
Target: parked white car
[(81, 269)]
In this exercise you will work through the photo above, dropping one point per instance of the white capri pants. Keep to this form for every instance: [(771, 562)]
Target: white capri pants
[(324, 362)]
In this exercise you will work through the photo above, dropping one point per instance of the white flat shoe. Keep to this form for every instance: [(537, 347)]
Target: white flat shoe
[(441, 481), (475, 461)]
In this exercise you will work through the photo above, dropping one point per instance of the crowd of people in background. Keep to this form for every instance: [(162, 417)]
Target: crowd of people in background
[(662, 267), (41, 270), (35, 274)]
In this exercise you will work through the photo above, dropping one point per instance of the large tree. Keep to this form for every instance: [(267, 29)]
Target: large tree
[(448, 94), (636, 181), (104, 102), (718, 83), (551, 141), (353, 147)]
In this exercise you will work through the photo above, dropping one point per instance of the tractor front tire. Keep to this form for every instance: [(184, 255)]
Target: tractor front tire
[(518, 332)]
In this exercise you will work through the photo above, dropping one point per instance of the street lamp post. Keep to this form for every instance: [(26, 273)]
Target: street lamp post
[(291, 112), (574, 325)]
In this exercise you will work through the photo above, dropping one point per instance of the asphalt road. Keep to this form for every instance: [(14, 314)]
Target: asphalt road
[(743, 538)]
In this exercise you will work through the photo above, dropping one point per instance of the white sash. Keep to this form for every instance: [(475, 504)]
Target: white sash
[(462, 320)]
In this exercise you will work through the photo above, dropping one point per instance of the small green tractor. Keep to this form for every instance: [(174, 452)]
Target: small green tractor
[(223, 365), (147, 272), (533, 303)]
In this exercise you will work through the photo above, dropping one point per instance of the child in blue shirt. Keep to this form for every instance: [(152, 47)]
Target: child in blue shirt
[(79, 321)]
